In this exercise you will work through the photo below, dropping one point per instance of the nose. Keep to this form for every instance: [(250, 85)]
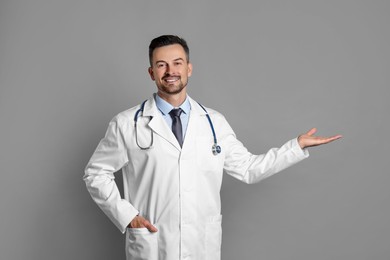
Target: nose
[(171, 70), (168, 70)]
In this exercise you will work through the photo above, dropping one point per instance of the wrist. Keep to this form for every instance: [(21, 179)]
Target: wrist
[(300, 142)]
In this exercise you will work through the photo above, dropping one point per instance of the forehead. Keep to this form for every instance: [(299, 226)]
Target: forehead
[(169, 53)]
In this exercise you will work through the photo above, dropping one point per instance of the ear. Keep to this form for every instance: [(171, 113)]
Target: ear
[(150, 71), (189, 73)]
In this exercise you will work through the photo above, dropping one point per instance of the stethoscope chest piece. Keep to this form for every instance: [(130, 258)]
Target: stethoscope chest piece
[(216, 149)]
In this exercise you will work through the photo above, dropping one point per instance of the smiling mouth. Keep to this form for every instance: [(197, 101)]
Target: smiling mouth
[(171, 79)]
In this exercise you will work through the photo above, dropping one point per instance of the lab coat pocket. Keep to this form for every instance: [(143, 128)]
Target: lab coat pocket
[(214, 238), (141, 244)]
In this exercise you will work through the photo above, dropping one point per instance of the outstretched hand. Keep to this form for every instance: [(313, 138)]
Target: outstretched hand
[(308, 139)]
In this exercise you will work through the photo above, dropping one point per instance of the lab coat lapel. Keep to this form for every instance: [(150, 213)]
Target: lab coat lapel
[(158, 124), (196, 114)]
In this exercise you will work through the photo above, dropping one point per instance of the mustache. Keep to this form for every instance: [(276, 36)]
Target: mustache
[(169, 75)]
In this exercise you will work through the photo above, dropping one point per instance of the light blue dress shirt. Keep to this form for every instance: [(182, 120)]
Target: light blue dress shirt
[(165, 108)]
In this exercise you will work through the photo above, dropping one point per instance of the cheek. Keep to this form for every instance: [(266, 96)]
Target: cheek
[(157, 76)]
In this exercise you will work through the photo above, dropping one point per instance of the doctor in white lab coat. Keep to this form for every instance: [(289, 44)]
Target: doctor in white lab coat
[(171, 207)]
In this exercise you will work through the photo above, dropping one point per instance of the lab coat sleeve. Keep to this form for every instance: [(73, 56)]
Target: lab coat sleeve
[(109, 157), (250, 168)]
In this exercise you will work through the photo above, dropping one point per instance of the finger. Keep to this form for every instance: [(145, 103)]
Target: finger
[(325, 140), (333, 138), (150, 227), (312, 131)]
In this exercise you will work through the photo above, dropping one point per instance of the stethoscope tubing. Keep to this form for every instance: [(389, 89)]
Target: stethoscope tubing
[(141, 109), (216, 149)]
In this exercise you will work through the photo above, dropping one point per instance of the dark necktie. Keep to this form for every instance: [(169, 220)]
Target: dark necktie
[(176, 124)]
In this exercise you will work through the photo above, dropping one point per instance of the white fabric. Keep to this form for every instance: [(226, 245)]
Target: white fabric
[(176, 189)]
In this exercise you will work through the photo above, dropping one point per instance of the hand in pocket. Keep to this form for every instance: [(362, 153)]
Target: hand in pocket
[(141, 222)]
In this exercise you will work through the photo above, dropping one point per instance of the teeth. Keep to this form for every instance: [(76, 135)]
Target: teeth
[(171, 80)]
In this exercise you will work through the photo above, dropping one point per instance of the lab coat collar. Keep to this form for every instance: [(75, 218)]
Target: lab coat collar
[(160, 127), (151, 109), (196, 108), (165, 107)]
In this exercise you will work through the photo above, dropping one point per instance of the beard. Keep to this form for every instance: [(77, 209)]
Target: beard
[(172, 88)]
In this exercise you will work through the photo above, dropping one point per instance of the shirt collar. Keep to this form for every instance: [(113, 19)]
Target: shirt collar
[(165, 107)]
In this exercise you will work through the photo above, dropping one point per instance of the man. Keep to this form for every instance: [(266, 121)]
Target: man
[(173, 152)]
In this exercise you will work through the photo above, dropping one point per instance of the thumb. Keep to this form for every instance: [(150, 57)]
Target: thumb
[(312, 131)]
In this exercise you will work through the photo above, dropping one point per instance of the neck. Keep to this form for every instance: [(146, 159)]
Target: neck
[(174, 99)]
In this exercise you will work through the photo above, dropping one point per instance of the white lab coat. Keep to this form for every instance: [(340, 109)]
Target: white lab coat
[(176, 189)]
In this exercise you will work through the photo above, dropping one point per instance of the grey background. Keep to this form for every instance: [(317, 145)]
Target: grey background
[(273, 68)]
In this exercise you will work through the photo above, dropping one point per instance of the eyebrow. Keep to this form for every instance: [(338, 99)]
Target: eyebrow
[(181, 59)]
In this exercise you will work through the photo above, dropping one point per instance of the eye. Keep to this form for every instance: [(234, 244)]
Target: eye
[(161, 65), (178, 63)]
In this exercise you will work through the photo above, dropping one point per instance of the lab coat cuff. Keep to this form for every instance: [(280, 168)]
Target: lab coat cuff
[(127, 218), (298, 151)]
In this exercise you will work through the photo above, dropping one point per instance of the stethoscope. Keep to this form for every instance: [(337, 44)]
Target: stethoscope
[(216, 149)]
